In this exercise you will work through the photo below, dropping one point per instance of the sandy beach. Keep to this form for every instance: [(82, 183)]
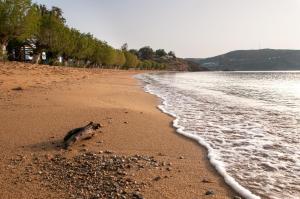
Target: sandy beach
[(46, 102)]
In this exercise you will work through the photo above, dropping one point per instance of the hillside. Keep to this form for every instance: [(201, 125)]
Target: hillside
[(265, 59), (179, 64)]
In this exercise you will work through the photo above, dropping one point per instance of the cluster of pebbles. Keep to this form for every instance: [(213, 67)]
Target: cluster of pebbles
[(91, 175)]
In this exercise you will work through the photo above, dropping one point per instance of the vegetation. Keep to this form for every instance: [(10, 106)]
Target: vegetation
[(28, 29)]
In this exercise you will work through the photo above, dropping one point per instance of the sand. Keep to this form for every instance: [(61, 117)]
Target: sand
[(53, 100)]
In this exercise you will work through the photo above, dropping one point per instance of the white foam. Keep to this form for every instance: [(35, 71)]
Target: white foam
[(251, 143), (218, 165)]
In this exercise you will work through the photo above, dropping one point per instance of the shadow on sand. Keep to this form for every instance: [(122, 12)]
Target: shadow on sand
[(50, 145)]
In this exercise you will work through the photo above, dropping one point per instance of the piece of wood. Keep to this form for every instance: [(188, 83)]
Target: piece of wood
[(81, 133)]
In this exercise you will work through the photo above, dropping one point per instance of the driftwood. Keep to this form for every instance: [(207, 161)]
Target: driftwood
[(82, 133)]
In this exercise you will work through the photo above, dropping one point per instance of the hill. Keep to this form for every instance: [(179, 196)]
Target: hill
[(179, 64), (265, 59)]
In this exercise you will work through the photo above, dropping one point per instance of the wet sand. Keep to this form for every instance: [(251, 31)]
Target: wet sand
[(53, 100)]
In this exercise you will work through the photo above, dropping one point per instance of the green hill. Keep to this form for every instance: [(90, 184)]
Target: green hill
[(256, 60)]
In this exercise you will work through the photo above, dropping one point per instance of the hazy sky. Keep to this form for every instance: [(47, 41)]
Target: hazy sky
[(192, 28)]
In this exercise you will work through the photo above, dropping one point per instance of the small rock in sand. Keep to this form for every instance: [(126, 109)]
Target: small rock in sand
[(17, 88), (206, 180), (157, 178), (108, 152), (209, 192), (161, 154)]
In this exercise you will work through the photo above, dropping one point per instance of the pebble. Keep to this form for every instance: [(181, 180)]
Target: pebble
[(157, 178), (97, 175), (19, 88), (108, 152), (209, 192), (206, 180)]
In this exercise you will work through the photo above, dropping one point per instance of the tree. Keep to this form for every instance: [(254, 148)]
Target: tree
[(50, 32), (131, 60), (160, 53), (134, 51), (12, 15), (120, 59), (146, 53), (172, 54), (124, 47)]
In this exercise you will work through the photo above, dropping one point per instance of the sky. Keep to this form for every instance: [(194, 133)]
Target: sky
[(190, 28)]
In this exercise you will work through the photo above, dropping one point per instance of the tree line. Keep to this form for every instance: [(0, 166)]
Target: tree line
[(43, 30)]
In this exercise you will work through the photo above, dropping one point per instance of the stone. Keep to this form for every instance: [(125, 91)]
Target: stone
[(209, 192), (157, 178), (19, 88), (206, 180)]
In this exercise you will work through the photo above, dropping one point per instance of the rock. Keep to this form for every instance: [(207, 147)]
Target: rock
[(83, 150), (157, 178), (168, 169), (97, 175), (209, 192), (137, 195), (206, 180), (181, 157), (108, 152), (17, 88)]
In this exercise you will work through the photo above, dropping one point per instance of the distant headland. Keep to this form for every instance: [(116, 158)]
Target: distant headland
[(252, 60)]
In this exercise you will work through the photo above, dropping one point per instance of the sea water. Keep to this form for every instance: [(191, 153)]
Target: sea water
[(248, 121)]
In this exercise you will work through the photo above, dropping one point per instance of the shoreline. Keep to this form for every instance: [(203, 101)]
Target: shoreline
[(46, 109), (229, 180)]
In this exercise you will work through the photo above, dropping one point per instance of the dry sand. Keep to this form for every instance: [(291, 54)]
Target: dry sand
[(54, 100)]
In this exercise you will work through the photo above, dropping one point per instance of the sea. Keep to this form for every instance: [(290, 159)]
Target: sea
[(249, 123)]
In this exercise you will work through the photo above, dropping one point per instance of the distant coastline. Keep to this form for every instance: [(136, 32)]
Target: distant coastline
[(252, 60)]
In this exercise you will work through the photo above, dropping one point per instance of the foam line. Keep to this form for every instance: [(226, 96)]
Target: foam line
[(218, 165)]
